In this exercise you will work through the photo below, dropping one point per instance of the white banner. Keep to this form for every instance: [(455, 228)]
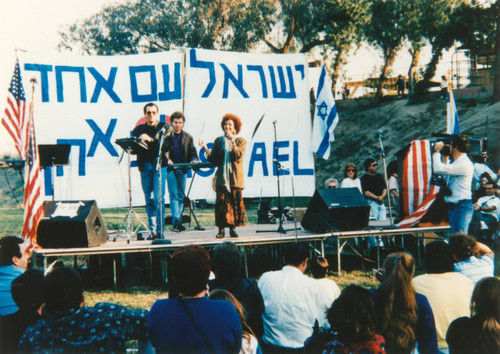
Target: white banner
[(91, 101), (271, 87)]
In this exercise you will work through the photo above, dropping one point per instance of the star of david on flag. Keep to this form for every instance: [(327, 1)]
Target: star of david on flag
[(326, 117)]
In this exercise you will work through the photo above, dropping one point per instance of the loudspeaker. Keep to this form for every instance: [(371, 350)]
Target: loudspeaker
[(71, 224), (338, 209)]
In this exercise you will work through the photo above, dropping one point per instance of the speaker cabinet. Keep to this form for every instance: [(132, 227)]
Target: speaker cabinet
[(71, 224), (339, 209)]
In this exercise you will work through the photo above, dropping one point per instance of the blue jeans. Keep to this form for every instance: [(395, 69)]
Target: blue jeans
[(150, 187), (460, 215), (379, 212), (174, 180)]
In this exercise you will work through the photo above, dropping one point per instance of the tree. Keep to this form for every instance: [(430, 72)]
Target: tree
[(156, 25), (345, 22), (496, 87), (387, 32)]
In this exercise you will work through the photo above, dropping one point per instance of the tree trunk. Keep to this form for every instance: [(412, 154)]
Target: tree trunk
[(430, 71), (496, 82), (415, 59), (336, 67), (389, 60)]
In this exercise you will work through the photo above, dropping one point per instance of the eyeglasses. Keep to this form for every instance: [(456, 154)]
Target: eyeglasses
[(351, 170), (151, 113)]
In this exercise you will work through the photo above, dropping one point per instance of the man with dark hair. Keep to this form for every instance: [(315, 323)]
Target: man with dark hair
[(69, 326), (26, 294), (374, 189), (448, 292), (150, 134), (179, 148), (227, 265), (459, 173), (473, 259), (192, 323), (14, 259), (293, 302)]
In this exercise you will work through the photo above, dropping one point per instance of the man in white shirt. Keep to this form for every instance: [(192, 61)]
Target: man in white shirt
[(459, 181), (292, 302)]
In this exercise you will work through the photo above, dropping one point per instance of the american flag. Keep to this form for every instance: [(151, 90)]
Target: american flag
[(22, 131), (418, 193)]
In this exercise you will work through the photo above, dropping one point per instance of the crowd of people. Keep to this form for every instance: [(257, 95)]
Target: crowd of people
[(469, 187), (454, 307)]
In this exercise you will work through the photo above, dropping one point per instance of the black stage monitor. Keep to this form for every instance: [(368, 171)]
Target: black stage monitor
[(338, 209)]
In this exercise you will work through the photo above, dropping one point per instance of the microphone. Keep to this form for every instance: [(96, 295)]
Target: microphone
[(379, 132), (226, 132), (274, 123)]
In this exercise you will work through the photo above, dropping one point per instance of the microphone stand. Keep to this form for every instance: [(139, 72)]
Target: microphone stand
[(279, 167), (161, 202), (382, 155)]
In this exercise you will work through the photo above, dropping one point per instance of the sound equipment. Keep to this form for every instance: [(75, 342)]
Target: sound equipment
[(71, 224), (338, 209), (188, 165)]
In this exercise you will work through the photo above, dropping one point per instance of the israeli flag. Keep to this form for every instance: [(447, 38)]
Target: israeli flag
[(326, 117), (452, 123)]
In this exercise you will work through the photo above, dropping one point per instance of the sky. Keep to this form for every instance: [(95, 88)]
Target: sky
[(34, 26)]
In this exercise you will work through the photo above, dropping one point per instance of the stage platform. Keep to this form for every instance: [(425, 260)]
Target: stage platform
[(249, 236)]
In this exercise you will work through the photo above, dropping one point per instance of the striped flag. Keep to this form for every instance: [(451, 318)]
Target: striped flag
[(13, 119), (452, 123), (418, 193), (326, 117), (22, 132)]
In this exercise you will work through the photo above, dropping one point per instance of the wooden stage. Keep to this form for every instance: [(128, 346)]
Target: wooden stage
[(249, 236)]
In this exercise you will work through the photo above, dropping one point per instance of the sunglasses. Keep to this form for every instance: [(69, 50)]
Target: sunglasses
[(374, 165), (351, 170), (151, 112)]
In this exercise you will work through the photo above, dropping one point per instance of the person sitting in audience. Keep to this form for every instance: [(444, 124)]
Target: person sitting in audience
[(481, 332), (318, 266), (331, 183), (14, 260), (192, 323), (404, 317), (26, 294), (481, 188), (448, 292), (227, 265), (249, 344), (486, 214), (293, 302), (352, 322), (68, 326), (351, 179), (472, 259)]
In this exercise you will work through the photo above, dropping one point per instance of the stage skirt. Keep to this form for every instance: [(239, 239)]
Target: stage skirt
[(229, 208)]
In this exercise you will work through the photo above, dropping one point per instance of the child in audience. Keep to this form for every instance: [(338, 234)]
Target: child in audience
[(249, 344), (481, 332)]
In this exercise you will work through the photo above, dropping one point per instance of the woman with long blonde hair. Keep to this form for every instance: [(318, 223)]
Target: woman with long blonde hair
[(403, 316)]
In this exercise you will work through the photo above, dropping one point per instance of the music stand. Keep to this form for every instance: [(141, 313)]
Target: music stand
[(53, 155), (130, 146)]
